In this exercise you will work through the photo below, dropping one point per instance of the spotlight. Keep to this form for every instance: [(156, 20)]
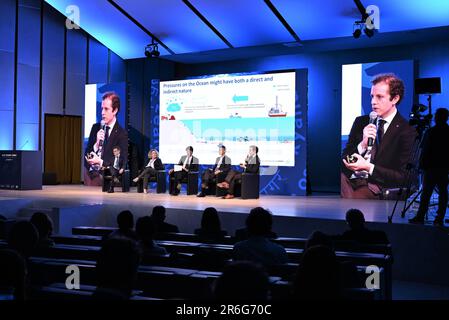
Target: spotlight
[(364, 23), (357, 30), (152, 50)]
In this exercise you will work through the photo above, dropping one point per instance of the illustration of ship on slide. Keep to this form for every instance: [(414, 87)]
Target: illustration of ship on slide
[(276, 111)]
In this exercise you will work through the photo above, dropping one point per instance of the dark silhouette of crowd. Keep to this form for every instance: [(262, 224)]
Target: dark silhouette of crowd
[(319, 274)]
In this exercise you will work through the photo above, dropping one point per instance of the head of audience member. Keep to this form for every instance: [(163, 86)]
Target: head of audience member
[(242, 280), (12, 275), (2, 217), (259, 222), (210, 221), (117, 264), (43, 224), (23, 237), (387, 91), (318, 238), (189, 151), (145, 229), (441, 116), (221, 150), (158, 214), (355, 219), (319, 275), (125, 220)]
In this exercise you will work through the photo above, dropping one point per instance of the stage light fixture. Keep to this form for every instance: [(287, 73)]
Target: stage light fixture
[(361, 24), (357, 30), (152, 50)]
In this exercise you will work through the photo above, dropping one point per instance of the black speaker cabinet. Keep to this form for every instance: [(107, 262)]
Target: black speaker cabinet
[(21, 170)]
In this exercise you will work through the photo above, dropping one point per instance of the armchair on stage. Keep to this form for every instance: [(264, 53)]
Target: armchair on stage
[(191, 179), (213, 190), (247, 187), (122, 181), (159, 178)]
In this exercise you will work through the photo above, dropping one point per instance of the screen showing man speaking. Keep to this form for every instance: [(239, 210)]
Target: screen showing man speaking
[(232, 110)]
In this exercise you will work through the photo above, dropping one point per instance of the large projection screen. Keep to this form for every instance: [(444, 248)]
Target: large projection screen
[(232, 110)]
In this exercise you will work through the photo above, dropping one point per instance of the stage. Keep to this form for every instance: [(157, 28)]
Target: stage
[(422, 246), (320, 206)]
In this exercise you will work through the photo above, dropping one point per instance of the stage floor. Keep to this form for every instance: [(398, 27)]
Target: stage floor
[(320, 206)]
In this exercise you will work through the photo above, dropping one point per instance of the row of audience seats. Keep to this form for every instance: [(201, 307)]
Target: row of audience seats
[(187, 267)]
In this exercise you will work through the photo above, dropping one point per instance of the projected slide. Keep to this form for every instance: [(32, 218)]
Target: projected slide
[(234, 110)]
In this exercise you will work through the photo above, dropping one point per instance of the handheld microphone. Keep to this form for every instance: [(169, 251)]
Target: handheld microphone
[(103, 127), (372, 120)]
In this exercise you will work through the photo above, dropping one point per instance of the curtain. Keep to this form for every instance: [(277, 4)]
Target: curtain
[(63, 144)]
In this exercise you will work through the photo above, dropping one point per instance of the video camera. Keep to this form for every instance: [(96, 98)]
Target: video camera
[(426, 86)]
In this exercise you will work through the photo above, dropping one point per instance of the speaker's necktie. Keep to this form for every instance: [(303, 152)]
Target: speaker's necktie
[(380, 131), (106, 136)]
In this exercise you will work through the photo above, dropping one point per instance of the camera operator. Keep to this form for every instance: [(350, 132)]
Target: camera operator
[(435, 166)]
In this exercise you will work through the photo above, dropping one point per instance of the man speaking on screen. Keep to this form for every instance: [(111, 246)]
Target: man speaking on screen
[(379, 147), (103, 137)]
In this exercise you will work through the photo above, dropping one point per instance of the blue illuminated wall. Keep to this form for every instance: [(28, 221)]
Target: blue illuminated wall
[(7, 63), (44, 69)]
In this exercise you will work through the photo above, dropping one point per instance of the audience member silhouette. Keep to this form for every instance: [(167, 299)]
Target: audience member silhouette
[(210, 230), (319, 275), (158, 216), (2, 226), (145, 231), (242, 280), (12, 275), (116, 269), (125, 222), (23, 237), (318, 238), (44, 227), (242, 234), (359, 233), (349, 274), (258, 248)]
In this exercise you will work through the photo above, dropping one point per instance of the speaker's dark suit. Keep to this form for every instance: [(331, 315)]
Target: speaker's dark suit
[(117, 137), (148, 172), (252, 166), (111, 173), (391, 157), (224, 167), (193, 166)]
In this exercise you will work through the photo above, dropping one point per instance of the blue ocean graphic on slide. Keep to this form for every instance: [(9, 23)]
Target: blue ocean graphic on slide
[(284, 127)]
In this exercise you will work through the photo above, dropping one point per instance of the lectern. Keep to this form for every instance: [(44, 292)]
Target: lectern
[(20, 170)]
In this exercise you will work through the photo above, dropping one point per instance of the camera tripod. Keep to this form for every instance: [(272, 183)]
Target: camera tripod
[(411, 175)]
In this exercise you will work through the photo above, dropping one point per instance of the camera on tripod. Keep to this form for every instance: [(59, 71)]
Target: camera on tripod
[(418, 118), (427, 86)]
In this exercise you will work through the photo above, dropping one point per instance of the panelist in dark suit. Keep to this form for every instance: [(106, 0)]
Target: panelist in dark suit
[(103, 138), (383, 166), (189, 163), (219, 171), (150, 170), (250, 165), (113, 172)]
